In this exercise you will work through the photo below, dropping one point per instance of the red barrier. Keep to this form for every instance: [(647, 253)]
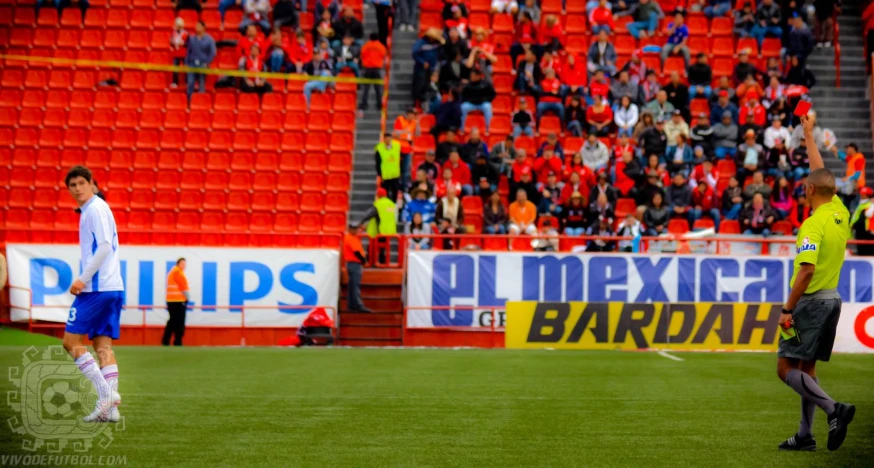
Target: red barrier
[(453, 336)]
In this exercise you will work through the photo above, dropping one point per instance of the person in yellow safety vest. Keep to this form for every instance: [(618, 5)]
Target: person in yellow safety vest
[(177, 303), (381, 219), (405, 131), (388, 165), (862, 221)]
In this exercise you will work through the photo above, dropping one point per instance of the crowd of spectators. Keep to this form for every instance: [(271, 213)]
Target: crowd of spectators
[(675, 146), (272, 41)]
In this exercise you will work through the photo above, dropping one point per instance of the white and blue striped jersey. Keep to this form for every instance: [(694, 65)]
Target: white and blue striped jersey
[(97, 226)]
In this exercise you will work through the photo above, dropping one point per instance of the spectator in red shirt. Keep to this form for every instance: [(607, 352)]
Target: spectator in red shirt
[(244, 45), (623, 145), (628, 175), (551, 93), (599, 116), (576, 166), (254, 63), (520, 164), (704, 204), (278, 51), (458, 21), (301, 54), (574, 75), (547, 164), (599, 86), (573, 184), (442, 185), (601, 18), (525, 37), (551, 34), (178, 47), (754, 108), (800, 211), (460, 172)]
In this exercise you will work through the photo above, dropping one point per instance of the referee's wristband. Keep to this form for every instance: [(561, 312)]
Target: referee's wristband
[(790, 312)]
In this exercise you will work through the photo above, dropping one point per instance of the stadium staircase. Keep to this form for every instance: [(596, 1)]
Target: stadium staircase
[(366, 137), (381, 291), (844, 109)]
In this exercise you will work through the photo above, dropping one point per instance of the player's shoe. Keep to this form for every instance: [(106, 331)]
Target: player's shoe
[(837, 424), (799, 444), (103, 409)]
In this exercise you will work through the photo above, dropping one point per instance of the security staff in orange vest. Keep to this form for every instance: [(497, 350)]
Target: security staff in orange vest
[(855, 165), (405, 132), (177, 303), (353, 256)]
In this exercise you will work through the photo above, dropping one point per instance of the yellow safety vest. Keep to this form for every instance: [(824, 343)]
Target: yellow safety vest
[(389, 160), (860, 210), (385, 222)]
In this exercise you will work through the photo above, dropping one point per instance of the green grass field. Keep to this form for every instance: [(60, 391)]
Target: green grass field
[(260, 407)]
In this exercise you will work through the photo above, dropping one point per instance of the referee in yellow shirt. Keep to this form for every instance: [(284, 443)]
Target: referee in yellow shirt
[(814, 305), (177, 303)]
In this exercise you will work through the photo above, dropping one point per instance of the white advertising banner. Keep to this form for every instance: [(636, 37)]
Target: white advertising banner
[(268, 282), (856, 329), (460, 289)]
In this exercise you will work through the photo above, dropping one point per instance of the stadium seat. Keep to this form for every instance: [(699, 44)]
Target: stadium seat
[(703, 223), (678, 226), (288, 181), (239, 201), (729, 226), (287, 202)]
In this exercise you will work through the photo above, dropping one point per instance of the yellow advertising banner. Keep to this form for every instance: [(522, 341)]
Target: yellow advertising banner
[(616, 325)]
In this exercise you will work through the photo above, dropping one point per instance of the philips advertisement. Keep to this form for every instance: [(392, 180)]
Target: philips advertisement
[(269, 283), (457, 289)]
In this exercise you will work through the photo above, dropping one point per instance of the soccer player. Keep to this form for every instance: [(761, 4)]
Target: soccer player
[(99, 292), (814, 306)]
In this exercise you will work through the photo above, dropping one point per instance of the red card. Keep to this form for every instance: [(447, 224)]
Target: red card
[(802, 108)]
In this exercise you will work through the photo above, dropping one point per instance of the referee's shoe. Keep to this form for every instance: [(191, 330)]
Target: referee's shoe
[(837, 424), (797, 443)]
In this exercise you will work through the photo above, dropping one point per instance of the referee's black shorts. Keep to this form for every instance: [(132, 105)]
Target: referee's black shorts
[(816, 319)]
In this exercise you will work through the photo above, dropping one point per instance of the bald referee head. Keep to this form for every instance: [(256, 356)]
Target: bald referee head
[(820, 187)]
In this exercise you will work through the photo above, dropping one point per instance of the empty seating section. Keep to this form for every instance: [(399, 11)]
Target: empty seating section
[(229, 162)]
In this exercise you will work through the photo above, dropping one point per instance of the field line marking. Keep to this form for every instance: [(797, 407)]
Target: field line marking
[(664, 353)]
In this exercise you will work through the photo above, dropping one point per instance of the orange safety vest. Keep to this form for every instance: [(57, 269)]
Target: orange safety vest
[(177, 283), (405, 131), (856, 160)]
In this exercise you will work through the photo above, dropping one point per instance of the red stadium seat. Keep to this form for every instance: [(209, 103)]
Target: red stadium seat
[(678, 226)]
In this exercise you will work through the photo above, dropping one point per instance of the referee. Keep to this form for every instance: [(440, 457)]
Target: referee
[(814, 305)]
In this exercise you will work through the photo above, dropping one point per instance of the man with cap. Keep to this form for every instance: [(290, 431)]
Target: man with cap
[(388, 164), (721, 106), (775, 131), (659, 107), (430, 166), (381, 218), (653, 140), (354, 257), (405, 128), (676, 126), (700, 77), (744, 68), (482, 170), (801, 42), (725, 137), (702, 134), (862, 221)]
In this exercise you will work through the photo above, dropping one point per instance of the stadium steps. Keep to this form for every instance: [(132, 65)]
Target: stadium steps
[(381, 290), (843, 109), (366, 138)]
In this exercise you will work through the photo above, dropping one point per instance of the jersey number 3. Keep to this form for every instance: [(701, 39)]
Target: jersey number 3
[(72, 315)]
